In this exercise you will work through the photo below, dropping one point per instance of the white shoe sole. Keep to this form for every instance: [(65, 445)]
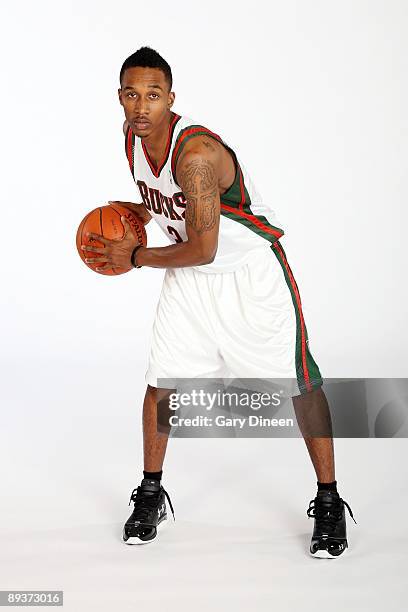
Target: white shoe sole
[(324, 554), (138, 541)]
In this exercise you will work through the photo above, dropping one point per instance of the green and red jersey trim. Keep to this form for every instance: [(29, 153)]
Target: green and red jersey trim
[(183, 137), (161, 165), (130, 149), (260, 222), (235, 202)]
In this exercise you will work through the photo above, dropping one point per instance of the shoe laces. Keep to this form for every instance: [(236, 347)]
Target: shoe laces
[(146, 502), (328, 513)]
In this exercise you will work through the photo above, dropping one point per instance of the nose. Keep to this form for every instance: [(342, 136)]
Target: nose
[(141, 107)]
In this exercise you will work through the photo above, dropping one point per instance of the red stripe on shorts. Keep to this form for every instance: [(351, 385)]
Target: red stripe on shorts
[(302, 321)]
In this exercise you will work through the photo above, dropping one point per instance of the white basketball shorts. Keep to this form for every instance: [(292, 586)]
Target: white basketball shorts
[(247, 323)]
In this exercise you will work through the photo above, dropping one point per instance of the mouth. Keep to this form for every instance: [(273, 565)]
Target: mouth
[(141, 124)]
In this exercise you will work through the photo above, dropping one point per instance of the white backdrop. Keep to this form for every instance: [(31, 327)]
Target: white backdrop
[(324, 84)]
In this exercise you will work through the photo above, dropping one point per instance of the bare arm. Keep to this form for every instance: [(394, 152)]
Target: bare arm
[(197, 172)]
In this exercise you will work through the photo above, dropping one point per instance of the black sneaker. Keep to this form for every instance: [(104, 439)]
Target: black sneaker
[(148, 513), (329, 539)]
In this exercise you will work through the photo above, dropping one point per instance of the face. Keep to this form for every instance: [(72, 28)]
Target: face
[(145, 98)]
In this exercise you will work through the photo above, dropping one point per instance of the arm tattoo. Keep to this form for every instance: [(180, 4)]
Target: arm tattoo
[(199, 183), (208, 144)]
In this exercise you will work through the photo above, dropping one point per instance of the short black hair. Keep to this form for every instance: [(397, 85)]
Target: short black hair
[(146, 57)]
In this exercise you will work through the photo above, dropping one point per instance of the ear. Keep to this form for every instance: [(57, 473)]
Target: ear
[(171, 98), (120, 96)]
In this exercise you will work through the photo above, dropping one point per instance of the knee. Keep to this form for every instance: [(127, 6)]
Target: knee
[(151, 392)]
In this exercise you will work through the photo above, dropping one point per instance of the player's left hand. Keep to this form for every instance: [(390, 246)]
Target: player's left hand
[(114, 253)]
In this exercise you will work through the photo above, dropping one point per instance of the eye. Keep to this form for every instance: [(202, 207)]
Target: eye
[(155, 94), (130, 94)]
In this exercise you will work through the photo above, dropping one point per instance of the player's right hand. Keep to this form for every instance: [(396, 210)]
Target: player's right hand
[(114, 253)]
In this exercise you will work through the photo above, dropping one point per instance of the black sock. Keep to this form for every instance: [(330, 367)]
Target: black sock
[(327, 486), (153, 475)]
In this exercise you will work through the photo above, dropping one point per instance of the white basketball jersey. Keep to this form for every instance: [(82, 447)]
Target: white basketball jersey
[(246, 223)]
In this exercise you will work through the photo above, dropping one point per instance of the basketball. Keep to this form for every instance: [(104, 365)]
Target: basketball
[(105, 220)]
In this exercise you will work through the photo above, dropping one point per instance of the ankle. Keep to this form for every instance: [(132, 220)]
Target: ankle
[(153, 475), (327, 486)]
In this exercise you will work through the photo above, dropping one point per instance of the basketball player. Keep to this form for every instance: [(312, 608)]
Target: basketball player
[(229, 297)]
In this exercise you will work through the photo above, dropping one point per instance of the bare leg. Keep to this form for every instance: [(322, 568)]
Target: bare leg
[(314, 420), (154, 443)]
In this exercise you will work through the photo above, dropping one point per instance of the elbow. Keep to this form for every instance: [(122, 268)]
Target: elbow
[(201, 253), (208, 257)]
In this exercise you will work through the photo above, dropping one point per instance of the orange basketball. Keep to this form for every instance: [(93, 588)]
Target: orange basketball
[(105, 220)]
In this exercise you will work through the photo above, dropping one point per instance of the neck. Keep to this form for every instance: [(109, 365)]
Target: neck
[(156, 142)]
